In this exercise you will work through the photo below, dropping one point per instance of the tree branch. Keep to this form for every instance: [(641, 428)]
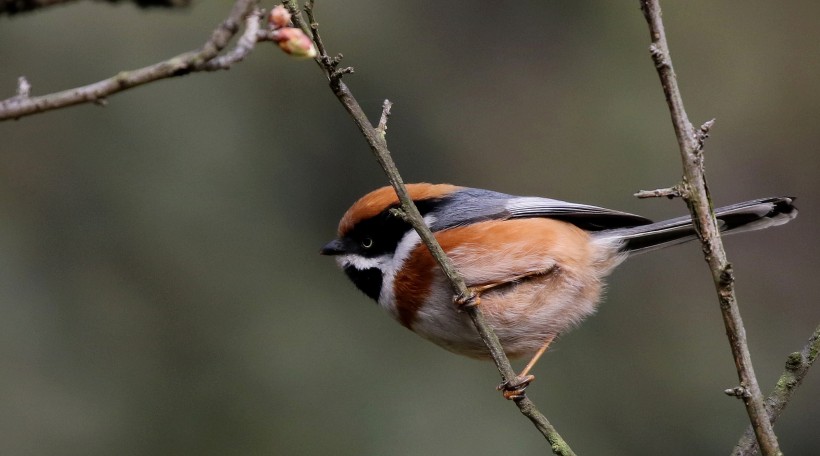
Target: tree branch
[(671, 192), (376, 139), (797, 366), (204, 59), (11, 7), (696, 194)]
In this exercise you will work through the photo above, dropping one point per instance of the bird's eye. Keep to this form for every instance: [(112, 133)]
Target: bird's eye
[(367, 243)]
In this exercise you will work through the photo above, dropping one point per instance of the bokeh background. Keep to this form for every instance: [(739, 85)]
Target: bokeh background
[(161, 290)]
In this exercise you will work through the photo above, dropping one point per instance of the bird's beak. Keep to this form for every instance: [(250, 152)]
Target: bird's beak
[(334, 247)]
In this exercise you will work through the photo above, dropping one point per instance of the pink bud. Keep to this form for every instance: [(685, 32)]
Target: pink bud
[(294, 42), (279, 17)]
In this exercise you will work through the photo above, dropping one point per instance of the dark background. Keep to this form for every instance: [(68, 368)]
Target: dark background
[(161, 290)]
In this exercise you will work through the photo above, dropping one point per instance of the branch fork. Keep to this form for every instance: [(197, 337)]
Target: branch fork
[(206, 58)]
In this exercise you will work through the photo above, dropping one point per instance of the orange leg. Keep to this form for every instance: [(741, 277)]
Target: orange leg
[(489, 286), (474, 298), (514, 388), (537, 356)]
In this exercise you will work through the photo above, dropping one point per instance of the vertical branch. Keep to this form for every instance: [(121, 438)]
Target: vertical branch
[(695, 192)]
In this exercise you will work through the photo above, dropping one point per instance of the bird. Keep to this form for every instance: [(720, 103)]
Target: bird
[(537, 264)]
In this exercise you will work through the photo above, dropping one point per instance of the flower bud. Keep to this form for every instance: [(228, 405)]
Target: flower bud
[(294, 42), (279, 17)]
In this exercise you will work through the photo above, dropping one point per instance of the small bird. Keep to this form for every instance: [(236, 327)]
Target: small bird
[(537, 264)]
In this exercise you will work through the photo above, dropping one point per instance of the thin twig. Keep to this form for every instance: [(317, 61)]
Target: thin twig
[(797, 366), (690, 142), (671, 192), (12, 7), (244, 45), (329, 64), (199, 60), (378, 145), (23, 88), (382, 127)]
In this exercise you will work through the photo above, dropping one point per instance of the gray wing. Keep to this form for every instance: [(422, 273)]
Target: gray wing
[(472, 205), (590, 218)]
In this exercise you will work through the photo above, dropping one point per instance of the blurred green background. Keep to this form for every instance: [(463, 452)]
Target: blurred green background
[(161, 290)]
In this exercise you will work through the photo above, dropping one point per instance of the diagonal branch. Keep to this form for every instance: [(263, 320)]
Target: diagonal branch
[(202, 59), (797, 366), (695, 192), (376, 139)]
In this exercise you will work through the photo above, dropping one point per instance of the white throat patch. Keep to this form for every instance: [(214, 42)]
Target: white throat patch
[(405, 247), (388, 264)]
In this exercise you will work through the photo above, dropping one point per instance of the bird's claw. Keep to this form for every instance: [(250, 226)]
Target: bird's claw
[(514, 389), (471, 299)]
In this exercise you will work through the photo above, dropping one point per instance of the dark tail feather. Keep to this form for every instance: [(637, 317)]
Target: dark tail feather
[(737, 218)]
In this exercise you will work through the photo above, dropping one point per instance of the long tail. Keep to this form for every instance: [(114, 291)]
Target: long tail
[(737, 218)]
